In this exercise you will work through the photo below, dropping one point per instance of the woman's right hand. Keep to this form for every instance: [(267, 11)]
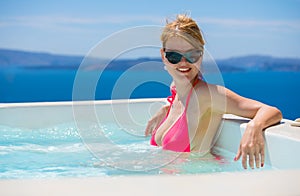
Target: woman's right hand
[(155, 121)]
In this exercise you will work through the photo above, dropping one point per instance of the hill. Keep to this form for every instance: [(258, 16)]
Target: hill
[(16, 58), (259, 63), (24, 59)]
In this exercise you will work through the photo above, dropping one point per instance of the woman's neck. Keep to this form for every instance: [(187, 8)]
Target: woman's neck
[(184, 87)]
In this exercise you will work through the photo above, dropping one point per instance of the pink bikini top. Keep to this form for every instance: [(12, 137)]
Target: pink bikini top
[(177, 138)]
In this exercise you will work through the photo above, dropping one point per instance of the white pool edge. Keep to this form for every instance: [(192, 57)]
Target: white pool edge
[(88, 102), (285, 182)]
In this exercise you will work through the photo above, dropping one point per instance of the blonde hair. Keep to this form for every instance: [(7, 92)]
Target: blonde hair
[(186, 28)]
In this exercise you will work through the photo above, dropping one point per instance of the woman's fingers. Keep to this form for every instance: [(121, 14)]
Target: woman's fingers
[(257, 160), (251, 160), (262, 156), (238, 155), (149, 128), (259, 154), (251, 155), (244, 160)]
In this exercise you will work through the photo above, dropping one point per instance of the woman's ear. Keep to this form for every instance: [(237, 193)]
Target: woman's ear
[(162, 53)]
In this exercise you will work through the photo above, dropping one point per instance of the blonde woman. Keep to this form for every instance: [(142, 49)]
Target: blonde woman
[(194, 115)]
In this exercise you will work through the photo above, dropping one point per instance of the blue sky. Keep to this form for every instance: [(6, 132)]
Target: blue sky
[(231, 27)]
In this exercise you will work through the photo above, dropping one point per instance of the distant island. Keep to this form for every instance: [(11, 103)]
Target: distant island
[(35, 60)]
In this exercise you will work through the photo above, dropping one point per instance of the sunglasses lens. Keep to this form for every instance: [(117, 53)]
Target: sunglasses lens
[(193, 56), (173, 57)]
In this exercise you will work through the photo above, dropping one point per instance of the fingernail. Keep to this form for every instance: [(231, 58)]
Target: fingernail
[(262, 164), (234, 159)]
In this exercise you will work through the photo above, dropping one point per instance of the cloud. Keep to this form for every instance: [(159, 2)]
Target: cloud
[(66, 22), (109, 23), (56, 21), (274, 24)]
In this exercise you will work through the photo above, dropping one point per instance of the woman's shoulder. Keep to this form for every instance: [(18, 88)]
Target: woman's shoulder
[(205, 88)]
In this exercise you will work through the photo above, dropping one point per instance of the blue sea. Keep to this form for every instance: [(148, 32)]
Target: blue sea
[(280, 89)]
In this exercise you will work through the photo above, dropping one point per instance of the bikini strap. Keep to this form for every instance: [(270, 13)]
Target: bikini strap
[(172, 96)]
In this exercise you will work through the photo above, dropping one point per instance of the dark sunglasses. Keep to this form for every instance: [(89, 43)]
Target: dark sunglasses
[(175, 57)]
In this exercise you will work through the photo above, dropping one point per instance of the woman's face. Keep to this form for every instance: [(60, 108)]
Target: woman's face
[(183, 69)]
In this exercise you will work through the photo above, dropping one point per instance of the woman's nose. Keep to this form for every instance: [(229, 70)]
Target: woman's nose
[(183, 60)]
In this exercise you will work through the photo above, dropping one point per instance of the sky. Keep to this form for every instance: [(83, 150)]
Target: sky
[(231, 27)]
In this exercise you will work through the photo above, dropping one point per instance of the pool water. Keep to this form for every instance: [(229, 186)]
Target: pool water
[(59, 151)]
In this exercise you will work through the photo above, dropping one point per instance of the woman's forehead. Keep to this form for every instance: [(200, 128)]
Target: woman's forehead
[(178, 44)]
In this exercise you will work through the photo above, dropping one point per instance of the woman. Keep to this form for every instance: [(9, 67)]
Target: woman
[(195, 112)]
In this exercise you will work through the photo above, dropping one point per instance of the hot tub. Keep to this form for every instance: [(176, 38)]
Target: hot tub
[(282, 150)]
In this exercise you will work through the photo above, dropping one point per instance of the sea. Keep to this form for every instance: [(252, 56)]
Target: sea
[(279, 89)]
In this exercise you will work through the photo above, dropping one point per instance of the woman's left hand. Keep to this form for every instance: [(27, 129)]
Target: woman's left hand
[(252, 147), (155, 121)]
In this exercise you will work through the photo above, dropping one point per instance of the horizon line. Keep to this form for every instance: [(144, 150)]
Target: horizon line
[(143, 57)]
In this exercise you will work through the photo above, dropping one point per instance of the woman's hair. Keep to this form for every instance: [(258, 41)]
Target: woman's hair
[(184, 27)]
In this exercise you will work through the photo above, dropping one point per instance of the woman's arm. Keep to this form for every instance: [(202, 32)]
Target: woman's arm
[(262, 115), (155, 121)]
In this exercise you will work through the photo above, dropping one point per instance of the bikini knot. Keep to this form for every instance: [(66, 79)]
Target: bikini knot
[(172, 96)]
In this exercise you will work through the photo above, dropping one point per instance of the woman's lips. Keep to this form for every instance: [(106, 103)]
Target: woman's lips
[(183, 69)]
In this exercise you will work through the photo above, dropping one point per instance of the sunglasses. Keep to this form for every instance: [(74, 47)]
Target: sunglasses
[(175, 57)]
